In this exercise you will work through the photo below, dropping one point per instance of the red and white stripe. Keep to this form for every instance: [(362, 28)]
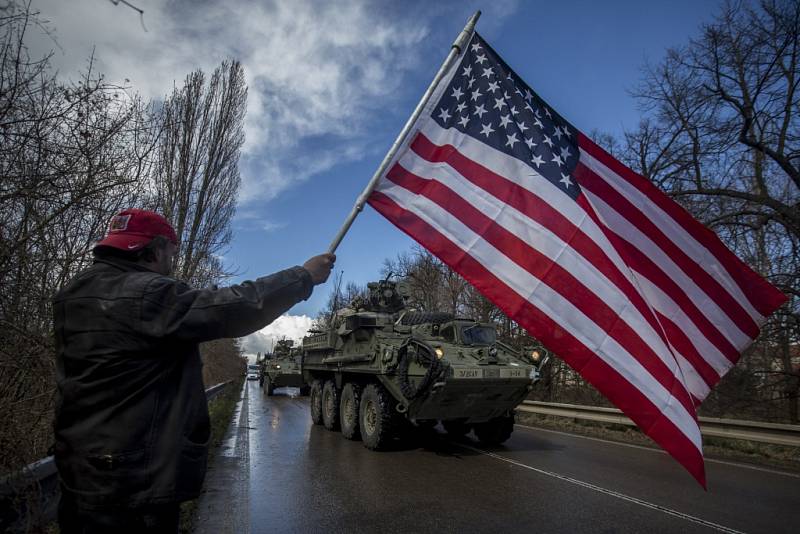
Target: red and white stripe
[(634, 294)]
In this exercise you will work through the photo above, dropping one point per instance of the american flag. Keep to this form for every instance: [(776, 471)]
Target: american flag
[(592, 259)]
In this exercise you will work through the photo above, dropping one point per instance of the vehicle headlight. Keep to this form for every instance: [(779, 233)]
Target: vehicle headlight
[(439, 352), (277, 367), (535, 356)]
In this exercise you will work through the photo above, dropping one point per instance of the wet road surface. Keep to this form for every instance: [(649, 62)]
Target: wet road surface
[(303, 478)]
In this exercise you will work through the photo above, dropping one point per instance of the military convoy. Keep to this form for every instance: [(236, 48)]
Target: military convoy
[(381, 368), (282, 368)]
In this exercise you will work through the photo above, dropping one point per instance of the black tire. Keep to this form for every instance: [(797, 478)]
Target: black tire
[(348, 411), (330, 405), (413, 318), (495, 431), (269, 387), (456, 427), (377, 418), (315, 400), (305, 390)]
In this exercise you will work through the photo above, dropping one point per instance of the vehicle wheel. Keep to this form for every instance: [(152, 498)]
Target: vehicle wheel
[(330, 405), (269, 387), (305, 390), (495, 431), (348, 410), (456, 427), (315, 401), (377, 419)]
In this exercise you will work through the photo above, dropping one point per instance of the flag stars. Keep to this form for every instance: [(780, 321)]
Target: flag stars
[(475, 47), (548, 141), (479, 111), (467, 71), (470, 82), (557, 133), (565, 153), (538, 123), (557, 160), (457, 93), (547, 112), (528, 95), (488, 72), (505, 120), (512, 139), (444, 115), (514, 110), (530, 143), (522, 127), (476, 94), (494, 87), (480, 59), (537, 160), (463, 121), (461, 107), (487, 129), (499, 103), (565, 180)]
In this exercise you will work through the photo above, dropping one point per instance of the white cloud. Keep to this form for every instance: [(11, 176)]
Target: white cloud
[(317, 71), (284, 327)]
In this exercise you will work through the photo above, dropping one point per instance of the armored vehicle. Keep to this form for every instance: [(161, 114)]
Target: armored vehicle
[(282, 368), (381, 368)]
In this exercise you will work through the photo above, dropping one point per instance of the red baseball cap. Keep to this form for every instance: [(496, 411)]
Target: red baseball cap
[(133, 228)]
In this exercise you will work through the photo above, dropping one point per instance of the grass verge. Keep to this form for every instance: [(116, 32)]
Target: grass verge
[(762, 454), (220, 410)]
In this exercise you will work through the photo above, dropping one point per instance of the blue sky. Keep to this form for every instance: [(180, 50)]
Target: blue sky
[(332, 83), (582, 57)]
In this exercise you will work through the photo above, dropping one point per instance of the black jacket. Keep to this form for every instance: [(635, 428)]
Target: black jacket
[(131, 422)]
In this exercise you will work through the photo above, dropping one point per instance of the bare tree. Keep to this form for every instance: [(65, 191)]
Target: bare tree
[(722, 136), (197, 176), (71, 153)]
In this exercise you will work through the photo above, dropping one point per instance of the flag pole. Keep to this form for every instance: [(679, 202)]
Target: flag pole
[(459, 44)]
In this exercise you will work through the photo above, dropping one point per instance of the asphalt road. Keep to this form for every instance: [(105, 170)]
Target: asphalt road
[(280, 473)]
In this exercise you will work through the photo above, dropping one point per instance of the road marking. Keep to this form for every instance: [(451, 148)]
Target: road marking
[(611, 493), (660, 451), (229, 447)]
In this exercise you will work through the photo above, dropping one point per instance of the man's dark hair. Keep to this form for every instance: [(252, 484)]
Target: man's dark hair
[(146, 253)]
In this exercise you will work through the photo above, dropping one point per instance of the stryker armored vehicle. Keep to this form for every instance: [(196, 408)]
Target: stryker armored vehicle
[(381, 368), (282, 368)]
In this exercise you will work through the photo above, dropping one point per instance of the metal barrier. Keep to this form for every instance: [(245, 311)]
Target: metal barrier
[(773, 433), (31, 497)]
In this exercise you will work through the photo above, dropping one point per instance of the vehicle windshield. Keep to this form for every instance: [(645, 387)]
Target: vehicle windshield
[(478, 335), (252, 367)]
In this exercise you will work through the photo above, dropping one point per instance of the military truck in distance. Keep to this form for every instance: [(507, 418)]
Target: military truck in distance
[(381, 368), (282, 368)]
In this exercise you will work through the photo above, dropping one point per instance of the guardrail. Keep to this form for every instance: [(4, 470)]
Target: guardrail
[(774, 433), (30, 497)]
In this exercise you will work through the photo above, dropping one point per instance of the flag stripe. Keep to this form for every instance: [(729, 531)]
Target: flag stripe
[(551, 302), (542, 212), (550, 271), (641, 263), (643, 234), (757, 291), (642, 410), (668, 308), (685, 348)]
